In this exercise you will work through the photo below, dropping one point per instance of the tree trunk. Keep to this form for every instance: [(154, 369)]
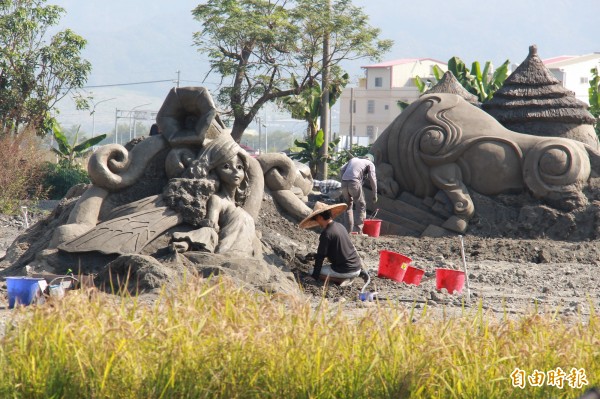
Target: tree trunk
[(237, 131), (312, 131)]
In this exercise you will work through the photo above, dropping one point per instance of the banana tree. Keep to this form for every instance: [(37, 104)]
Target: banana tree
[(425, 85), (486, 83), (308, 151), (483, 84), (307, 105), (68, 152), (594, 98)]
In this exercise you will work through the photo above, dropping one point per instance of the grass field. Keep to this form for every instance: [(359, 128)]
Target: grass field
[(209, 339)]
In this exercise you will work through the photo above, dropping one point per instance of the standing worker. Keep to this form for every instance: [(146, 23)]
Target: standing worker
[(353, 175), (334, 244)]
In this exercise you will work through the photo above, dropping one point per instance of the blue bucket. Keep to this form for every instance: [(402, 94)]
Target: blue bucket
[(22, 290)]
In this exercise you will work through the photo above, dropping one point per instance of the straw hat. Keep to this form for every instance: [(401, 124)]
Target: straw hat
[(320, 207)]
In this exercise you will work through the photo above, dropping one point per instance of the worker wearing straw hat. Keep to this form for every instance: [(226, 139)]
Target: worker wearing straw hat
[(334, 244)]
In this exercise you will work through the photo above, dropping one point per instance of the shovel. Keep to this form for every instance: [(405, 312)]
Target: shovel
[(462, 252)]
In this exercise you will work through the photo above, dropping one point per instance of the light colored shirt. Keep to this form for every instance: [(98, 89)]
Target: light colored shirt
[(326, 186), (357, 168)]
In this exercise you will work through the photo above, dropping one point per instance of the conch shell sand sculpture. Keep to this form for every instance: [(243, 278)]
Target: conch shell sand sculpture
[(441, 142)]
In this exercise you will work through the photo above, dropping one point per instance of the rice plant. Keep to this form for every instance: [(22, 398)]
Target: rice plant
[(208, 339)]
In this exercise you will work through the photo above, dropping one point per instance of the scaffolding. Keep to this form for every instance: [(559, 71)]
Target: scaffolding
[(133, 116)]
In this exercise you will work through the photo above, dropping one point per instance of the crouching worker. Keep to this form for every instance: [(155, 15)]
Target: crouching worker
[(334, 244)]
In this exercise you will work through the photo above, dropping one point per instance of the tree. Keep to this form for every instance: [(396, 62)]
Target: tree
[(594, 98), (270, 49), (68, 152), (483, 84), (308, 151), (35, 71), (342, 157), (307, 105)]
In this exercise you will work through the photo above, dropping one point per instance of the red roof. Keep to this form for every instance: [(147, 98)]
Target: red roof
[(249, 149), (386, 64), (558, 59)]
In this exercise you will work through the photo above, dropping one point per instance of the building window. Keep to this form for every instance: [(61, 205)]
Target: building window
[(584, 80), (371, 107), (386, 107), (370, 131), (378, 82)]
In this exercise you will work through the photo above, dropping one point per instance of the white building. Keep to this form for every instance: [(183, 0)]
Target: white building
[(573, 71), (375, 100)]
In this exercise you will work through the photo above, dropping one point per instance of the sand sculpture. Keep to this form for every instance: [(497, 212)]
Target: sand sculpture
[(449, 84), (186, 198), (443, 143), (212, 185), (533, 101), (289, 182)]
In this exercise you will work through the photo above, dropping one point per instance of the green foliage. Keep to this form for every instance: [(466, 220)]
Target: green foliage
[(308, 151), (69, 152), (594, 98), (307, 105), (403, 104), (264, 50), (36, 71), (483, 84), (422, 85), (208, 339), (59, 178), (344, 156)]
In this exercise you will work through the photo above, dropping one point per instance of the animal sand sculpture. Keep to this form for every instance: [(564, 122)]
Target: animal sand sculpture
[(443, 143), (190, 190)]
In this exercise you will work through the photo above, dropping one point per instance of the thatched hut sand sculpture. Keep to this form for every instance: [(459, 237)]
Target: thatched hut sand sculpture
[(533, 101)]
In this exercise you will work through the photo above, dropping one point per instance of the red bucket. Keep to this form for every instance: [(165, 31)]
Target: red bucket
[(372, 227), (413, 275), (450, 279), (392, 265)]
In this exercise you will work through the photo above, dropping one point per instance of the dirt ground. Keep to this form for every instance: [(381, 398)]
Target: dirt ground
[(506, 276)]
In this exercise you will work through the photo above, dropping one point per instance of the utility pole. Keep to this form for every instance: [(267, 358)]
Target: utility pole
[(266, 133), (259, 135), (178, 78), (349, 145), (116, 126), (323, 170)]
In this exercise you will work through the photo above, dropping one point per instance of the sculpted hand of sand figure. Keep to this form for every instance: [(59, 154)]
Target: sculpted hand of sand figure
[(226, 227)]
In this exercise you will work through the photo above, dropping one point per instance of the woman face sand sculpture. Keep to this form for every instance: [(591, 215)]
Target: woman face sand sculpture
[(226, 226), (231, 173)]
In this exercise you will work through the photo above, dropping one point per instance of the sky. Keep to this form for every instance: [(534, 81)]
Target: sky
[(137, 41)]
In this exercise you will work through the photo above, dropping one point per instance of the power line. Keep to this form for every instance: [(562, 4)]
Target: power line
[(128, 84)]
